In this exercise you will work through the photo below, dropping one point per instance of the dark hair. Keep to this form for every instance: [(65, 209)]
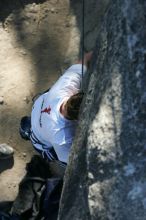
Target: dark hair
[(73, 106)]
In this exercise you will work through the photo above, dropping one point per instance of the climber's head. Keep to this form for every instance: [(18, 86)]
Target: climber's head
[(72, 106)]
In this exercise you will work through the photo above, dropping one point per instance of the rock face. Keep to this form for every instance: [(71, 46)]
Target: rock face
[(106, 177)]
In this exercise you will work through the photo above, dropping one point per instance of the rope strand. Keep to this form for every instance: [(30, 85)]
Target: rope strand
[(82, 44)]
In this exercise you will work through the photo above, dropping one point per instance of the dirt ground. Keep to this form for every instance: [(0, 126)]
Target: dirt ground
[(37, 42), (34, 43)]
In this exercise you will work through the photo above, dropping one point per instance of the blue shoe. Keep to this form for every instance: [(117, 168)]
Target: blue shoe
[(25, 126)]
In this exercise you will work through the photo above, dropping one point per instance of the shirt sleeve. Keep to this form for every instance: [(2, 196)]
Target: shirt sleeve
[(76, 68), (70, 82)]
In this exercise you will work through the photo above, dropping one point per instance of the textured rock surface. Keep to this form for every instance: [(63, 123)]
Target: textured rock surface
[(106, 178)]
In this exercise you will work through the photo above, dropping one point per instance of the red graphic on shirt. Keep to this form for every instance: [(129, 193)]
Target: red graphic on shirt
[(46, 110)]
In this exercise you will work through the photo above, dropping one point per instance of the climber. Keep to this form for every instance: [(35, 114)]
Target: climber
[(55, 113)]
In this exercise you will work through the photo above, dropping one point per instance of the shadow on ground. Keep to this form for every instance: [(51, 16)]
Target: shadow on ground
[(8, 6), (6, 164)]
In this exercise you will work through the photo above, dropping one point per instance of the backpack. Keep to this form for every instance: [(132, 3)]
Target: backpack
[(38, 199), (39, 193), (4, 216)]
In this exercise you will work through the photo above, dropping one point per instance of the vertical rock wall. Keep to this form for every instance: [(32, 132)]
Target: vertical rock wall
[(106, 178)]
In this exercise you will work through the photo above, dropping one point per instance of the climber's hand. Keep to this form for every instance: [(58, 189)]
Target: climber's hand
[(87, 58)]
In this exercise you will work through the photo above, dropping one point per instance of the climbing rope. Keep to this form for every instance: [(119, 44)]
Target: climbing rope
[(82, 42)]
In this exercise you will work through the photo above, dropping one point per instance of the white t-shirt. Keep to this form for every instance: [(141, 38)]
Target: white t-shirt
[(47, 123)]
